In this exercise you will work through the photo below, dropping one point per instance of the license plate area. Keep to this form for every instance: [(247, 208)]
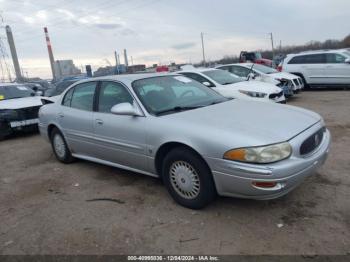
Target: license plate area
[(24, 122)]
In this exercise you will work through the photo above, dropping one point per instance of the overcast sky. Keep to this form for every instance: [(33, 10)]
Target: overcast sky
[(163, 31)]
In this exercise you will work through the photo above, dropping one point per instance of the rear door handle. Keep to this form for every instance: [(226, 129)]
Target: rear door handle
[(99, 121), (61, 115)]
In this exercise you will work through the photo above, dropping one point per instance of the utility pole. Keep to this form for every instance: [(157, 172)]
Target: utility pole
[(126, 59), (49, 49), (132, 61), (273, 51), (280, 46), (116, 62), (13, 52), (203, 48)]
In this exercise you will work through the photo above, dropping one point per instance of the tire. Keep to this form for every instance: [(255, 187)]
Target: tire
[(188, 179), (60, 148)]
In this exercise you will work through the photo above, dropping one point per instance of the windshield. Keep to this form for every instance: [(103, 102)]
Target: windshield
[(15, 91), (173, 93), (222, 77), (265, 69), (347, 53)]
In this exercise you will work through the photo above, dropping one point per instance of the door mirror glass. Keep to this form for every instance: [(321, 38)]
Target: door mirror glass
[(206, 84), (125, 109)]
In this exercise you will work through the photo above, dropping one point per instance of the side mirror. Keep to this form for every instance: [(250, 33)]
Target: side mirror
[(39, 93), (347, 61), (251, 76), (125, 109), (206, 84)]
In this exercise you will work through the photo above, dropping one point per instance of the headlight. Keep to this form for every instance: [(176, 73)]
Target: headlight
[(253, 94), (261, 155)]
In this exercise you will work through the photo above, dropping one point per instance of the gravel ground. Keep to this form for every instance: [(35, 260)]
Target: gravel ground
[(45, 207)]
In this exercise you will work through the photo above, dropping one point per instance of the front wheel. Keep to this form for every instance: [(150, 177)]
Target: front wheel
[(60, 147), (188, 178)]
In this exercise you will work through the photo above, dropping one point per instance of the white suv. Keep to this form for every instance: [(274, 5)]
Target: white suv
[(320, 68)]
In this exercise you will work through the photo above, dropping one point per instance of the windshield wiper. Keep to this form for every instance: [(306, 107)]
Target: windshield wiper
[(177, 109)]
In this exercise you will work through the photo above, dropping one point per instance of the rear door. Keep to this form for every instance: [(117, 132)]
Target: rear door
[(76, 118), (119, 139), (337, 71), (312, 67)]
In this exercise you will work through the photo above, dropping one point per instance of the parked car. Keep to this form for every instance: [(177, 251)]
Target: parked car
[(197, 141), (232, 86), (320, 68), (254, 57), (288, 82), (59, 87), (18, 109)]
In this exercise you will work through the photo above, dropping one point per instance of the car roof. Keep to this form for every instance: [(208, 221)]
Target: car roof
[(237, 64), (197, 70), (127, 78), (310, 52)]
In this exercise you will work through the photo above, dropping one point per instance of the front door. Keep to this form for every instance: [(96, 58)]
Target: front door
[(119, 138), (337, 71)]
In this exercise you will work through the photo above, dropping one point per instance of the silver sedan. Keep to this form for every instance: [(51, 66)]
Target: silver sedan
[(198, 142)]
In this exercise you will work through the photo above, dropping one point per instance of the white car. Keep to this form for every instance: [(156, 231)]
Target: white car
[(322, 67), (265, 74), (232, 86), (18, 108)]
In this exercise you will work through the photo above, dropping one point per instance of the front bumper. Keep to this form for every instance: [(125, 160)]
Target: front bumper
[(236, 179)]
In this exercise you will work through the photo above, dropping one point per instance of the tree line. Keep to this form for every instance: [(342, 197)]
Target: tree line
[(312, 45)]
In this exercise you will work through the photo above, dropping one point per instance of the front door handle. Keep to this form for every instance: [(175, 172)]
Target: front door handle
[(99, 121), (61, 115)]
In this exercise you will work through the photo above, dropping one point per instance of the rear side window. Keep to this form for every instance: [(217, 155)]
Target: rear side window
[(83, 96), (335, 58), (309, 59), (239, 71)]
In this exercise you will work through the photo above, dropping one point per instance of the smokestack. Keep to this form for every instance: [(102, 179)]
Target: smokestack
[(13, 52), (126, 58), (49, 49)]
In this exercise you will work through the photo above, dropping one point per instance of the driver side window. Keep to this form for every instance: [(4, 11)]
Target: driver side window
[(198, 78), (239, 71), (111, 94)]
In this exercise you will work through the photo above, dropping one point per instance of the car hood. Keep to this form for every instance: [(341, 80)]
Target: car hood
[(257, 86), (251, 123), (23, 102), (281, 75)]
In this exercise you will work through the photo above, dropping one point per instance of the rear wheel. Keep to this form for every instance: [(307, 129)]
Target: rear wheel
[(60, 147), (188, 178)]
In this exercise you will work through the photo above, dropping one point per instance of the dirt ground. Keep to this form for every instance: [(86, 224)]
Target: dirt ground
[(45, 207)]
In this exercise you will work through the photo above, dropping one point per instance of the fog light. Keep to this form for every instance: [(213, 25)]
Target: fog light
[(264, 184)]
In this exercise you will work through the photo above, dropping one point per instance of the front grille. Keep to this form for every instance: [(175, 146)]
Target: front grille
[(28, 113), (296, 82), (311, 143), (275, 95)]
